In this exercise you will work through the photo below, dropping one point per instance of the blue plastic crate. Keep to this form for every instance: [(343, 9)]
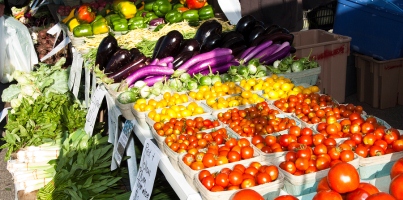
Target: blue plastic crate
[(375, 26)]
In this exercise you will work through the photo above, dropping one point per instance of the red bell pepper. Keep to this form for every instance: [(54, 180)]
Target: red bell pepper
[(84, 14), (195, 4)]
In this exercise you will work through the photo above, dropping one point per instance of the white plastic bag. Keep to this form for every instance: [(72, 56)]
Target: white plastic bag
[(17, 50)]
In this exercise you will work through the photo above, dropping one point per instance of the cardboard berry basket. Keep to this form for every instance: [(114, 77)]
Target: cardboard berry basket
[(190, 173), (307, 183), (174, 156), (378, 166), (160, 139), (125, 109), (268, 190)]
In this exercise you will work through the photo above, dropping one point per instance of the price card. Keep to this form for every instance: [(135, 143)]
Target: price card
[(113, 115), (92, 113), (120, 146), (87, 87), (146, 174), (75, 72), (4, 113)]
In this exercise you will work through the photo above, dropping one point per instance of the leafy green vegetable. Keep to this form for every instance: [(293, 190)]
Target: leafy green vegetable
[(44, 80), (46, 119), (82, 170)]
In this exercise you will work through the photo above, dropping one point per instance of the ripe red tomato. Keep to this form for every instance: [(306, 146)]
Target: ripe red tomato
[(381, 195), (376, 151), (357, 194), (246, 152), (346, 155), (323, 185), (257, 139), (320, 149), (263, 178), (326, 195), (397, 145), (286, 197), (397, 168), (302, 163), (369, 139), (208, 182), (343, 177), (395, 187), (235, 178), (222, 180), (391, 135), (209, 160), (371, 189), (291, 156), (288, 166), (248, 182), (322, 163), (367, 127), (233, 156), (203, 173), (198, 165), (272, 170), (247, 194), (362, 151), (295, 130)]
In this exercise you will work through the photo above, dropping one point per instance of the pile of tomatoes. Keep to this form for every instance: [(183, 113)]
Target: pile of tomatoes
[(192, 143), (184, 126), (257, 120), (239, 177), (214, 155)]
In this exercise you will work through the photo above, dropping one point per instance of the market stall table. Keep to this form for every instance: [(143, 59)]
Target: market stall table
[(175, 179)]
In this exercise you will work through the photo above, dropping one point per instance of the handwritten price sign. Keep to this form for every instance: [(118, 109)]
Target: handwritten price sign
[(94, 108), (148, 168)]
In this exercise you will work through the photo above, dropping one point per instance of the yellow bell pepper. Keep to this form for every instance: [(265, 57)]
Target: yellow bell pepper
[(72, 24), (71, 15), (126, 9)]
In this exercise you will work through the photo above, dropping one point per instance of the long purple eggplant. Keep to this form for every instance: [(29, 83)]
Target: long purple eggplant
[(212, 62), (267, 52), (149, 70), (128, 69), (278, 56), (182, 58), (152, 80), (204, 56), (256, 50)]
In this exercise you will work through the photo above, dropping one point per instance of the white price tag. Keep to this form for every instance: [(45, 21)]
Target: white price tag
[(87, 87), (113, 115), (120, 147), (148, 169), (75, 72), (92, 113), (4, 113), (59, 47), (55, 30)]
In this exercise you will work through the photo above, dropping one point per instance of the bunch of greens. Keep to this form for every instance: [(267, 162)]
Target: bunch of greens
[(43, 81), (251, 69), (82, 171), (45, 120), (290, 64)]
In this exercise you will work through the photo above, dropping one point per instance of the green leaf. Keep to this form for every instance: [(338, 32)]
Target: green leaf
[(11, 93)]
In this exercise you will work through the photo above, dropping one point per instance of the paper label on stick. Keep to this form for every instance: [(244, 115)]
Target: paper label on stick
[(120, 146), (92, 113), (113, 118), (146, 173)]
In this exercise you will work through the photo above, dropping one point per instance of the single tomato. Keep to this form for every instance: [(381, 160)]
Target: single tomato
[(343, 177), (246, 194)]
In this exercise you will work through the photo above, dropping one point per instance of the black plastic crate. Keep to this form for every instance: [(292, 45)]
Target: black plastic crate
[(322, 17)]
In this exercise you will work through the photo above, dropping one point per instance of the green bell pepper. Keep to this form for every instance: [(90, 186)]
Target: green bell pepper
[(206, 12), (137, 22), (161, 7), (178, 5), (191, 15), (149, 6), (83, 30), (111, 17), (120, 25), (100, 26), (150, 16), (98, 17), (173, 16)]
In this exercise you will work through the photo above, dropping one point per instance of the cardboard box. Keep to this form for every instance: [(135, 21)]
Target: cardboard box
[(378, 81), (330, 51)]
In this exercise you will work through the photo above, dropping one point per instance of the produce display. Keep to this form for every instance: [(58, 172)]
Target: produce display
[(222, 101)]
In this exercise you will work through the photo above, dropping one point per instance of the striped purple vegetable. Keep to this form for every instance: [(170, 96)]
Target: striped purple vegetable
[(204, 56), (277, 56), (150, 81), (256, 50), (220, 69), (283, 45), (212, 62), (246, 52), (149, 70), (267, 52)]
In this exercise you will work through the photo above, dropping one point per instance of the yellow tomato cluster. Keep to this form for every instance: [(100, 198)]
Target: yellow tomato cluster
[(217, 90), (281, 87), (168, 99), (246, 98), (176, 111)]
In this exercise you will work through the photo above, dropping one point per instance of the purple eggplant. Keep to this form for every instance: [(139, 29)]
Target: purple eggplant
[(182, 58), (255, 32), (190, 45), (245, 25), (170, 45), (149, 70), (157, 47), (156, 22), (118, 60), (211, 42), (107, 47), (206, 29), (128, 69)]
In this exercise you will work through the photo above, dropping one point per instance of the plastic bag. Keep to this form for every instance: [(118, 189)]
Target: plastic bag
[(17, 50)]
